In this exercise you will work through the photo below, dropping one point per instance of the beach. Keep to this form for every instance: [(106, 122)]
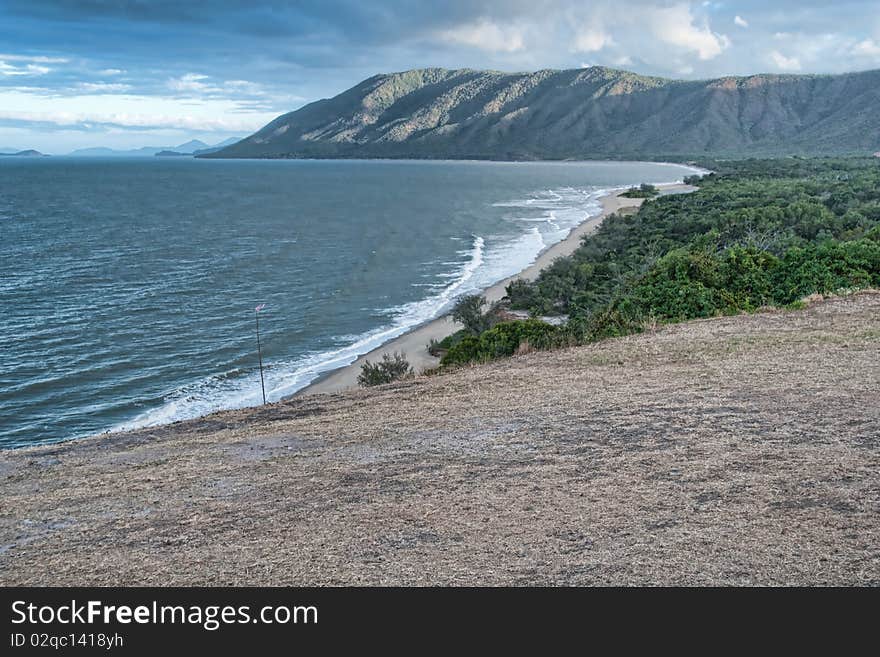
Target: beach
[(414, 343)]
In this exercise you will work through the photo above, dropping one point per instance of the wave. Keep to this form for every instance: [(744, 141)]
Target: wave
[(550, 214), (234, 389)]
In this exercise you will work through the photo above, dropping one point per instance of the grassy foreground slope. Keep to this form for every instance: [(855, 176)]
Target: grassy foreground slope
[(593, 112), (734, 450)]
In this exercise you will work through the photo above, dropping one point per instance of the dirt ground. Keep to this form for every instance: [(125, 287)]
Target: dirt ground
[(733, 451)]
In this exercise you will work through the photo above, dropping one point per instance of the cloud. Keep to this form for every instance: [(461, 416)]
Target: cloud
[(38, 59), (191, 82), (129, 112), (140, 121), (111, 71), (740, 21), (867, 48), (676, 26), (102, 87), (198, 85), (123, 120), (591, 40), (486, 35), (8, 69), (785, 63)]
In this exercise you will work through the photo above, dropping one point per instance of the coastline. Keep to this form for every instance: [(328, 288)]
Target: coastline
[(413, 343)]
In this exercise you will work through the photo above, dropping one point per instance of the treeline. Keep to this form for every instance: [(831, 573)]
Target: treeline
[(756, 233)]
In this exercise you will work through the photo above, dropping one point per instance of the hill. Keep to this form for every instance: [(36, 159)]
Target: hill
[(217, 147), (738, 450), (27, 153), (172, 154), (194, 146), (582, 113)]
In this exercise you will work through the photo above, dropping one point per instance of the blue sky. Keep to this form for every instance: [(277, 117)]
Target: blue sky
[(129, 73)]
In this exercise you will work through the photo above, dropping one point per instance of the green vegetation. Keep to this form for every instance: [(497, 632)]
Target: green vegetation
[(756, 233), (468, 311), (392, 367), (642, 191), (505, 339)]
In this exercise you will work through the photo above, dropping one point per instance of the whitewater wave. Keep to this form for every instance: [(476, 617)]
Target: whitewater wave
[(550, 215), (233, 389)]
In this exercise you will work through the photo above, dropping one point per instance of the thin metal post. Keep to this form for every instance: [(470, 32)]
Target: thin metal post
[(260, 354)]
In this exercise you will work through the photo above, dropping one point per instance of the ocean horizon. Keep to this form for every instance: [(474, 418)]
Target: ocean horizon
[(129, 285)]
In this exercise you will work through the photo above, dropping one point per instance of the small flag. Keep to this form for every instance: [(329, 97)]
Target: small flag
[(259, 308)]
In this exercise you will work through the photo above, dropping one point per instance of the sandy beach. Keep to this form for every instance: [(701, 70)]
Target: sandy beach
[(413, 343)]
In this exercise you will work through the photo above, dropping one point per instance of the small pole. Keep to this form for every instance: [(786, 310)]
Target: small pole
[(259, 349)]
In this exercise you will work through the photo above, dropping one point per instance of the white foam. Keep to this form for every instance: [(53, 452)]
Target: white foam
[(283, 378), (550, 214)]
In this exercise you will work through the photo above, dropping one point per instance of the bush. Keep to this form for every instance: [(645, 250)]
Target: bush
[(827, 267), (392, 367), (467, 350), (689, 284), (522, 295), (607, 323), (451, 340), (504, 339), (642, 191)]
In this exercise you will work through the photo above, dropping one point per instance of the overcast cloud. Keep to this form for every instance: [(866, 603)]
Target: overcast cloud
[(127, 73)]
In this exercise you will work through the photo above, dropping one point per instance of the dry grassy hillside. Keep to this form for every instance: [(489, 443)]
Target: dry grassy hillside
[(742, 450)]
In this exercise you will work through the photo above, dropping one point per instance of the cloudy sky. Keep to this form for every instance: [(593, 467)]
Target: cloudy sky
[(129, 73)]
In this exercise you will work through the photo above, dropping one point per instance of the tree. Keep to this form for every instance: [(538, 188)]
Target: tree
[(642, 191), (468, 311)]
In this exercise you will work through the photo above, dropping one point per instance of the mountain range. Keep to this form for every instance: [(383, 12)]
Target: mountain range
[(593, 112), (192, 147)]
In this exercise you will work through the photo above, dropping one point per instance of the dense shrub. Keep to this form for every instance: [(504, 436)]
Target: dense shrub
[(504, 339), (763, 205), (827, 267), (642, 191), (687, 284), (392, 367)]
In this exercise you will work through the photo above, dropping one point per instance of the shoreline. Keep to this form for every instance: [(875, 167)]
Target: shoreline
[(413, 343)]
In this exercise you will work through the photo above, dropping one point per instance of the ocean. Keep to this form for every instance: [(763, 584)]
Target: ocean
[(128, 287)]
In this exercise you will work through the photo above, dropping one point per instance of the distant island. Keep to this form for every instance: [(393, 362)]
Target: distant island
[(594, 112), (25, 153), (190, 148)]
